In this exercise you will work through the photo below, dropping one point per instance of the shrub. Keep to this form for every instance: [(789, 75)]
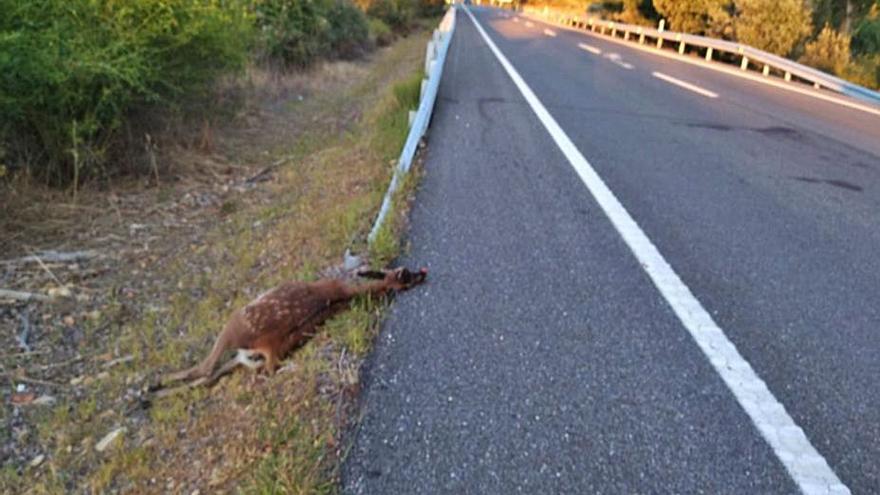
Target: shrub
[(398, 14), (71, 71), (828, 52), (776, 26), (380, 33), (297, 32), (349, 31), (865, 70)]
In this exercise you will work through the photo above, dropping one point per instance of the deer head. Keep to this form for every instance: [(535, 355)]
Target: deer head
[(398, 278)]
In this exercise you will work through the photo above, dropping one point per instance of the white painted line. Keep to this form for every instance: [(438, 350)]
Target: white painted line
[(809, 470), (685, 85), (614, 57), (529, 24), (516, 19), (590, 48), (734, 71), (549, 33)]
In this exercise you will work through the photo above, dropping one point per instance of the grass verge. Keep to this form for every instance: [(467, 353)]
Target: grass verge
[(250, 434)]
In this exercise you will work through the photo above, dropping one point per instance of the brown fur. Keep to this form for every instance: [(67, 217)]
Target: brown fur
[(283, 318)]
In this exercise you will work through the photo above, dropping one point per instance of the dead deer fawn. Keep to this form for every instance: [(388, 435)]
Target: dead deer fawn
[(283, 318)]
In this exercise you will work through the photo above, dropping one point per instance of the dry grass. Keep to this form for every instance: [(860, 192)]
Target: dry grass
[(249, 433)]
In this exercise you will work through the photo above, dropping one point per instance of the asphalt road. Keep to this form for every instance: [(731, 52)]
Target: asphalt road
[(540, 357)]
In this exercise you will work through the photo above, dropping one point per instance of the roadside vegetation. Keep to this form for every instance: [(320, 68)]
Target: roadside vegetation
[(841, 37), (183, 195), (86, 85)]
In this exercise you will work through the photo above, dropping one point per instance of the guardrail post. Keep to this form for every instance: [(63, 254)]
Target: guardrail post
[(681, 45), (659, 42), (709, 54), (766, 70), (603, 29), (745, 63), (613, 30), (626, 35), (429, 57), (817, 85), (787, 76), (641, 37)]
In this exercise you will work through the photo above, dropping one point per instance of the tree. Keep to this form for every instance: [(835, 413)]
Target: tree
[(776, 26), (696, 16)]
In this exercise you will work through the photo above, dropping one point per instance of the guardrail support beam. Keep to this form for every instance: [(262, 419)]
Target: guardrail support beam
[(660, 42), (626, 35), (766, 70), (641, 38), (745, 63), (709, 54), (787, 76), (681, 47)]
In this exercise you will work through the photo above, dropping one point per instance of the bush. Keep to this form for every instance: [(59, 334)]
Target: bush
[(297, 32), (71, 70), (776, 26), (349, 30), (398, 14), (828, 52), (380, 33)]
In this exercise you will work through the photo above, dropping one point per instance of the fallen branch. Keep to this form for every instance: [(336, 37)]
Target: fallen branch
[(22, 296), (265, 171), (22, 378), (53, 257)]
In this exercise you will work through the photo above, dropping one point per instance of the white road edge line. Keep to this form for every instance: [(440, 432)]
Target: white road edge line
[(549, 33), (590, 48), (529, 24), (685, 85), (807, 468)]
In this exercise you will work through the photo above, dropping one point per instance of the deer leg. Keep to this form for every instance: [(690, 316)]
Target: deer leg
[(271, 360)]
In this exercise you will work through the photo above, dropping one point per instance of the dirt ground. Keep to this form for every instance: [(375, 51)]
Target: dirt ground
[(134, 278)]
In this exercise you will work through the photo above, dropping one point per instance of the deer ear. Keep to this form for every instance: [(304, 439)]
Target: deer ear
[(374, 274)]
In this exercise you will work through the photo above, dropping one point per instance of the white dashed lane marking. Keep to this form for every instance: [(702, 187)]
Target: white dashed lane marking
[(590, 48), (614, 57), (550, 33), (684, 84), (806, 466)]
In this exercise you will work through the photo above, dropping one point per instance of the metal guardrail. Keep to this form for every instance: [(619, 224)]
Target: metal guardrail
[(435, 56), (748, 55)]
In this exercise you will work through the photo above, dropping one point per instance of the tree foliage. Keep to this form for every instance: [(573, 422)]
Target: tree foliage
[(776, 26), (695, 16)]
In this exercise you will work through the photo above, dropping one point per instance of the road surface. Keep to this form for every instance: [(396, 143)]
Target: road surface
[(542, 357)]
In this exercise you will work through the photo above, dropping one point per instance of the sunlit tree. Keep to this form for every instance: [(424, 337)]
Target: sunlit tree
[(776, 26)]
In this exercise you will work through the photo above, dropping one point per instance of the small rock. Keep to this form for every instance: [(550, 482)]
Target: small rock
[(59, 292), (68, 321), (44, 400), (109, 438), (21, 387), (36, 461)]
